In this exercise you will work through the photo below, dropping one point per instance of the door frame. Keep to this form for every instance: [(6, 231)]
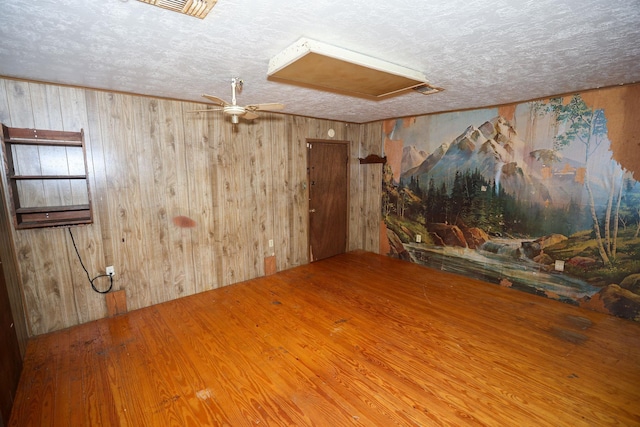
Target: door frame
[(310, 141)]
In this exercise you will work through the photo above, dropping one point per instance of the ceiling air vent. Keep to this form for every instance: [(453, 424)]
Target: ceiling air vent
[(427, 89), (197, 8)]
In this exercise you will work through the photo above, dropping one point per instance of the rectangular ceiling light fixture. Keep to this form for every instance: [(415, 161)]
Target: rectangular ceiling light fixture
[(312, 63), (197, 8)]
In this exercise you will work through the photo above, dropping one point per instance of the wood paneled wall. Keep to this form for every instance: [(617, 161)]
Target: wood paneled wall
[(10, 271), (150, 160)]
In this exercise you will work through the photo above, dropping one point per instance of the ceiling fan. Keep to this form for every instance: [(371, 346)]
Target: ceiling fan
[(236, 111)]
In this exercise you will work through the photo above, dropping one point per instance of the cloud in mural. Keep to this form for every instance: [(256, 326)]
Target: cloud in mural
[(546, 156)]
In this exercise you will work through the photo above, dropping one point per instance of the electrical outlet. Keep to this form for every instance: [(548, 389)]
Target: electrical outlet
[(111, 271), (270, 243)]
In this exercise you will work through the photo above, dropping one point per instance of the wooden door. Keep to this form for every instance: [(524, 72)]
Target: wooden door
[(10, 358), (328, 198)]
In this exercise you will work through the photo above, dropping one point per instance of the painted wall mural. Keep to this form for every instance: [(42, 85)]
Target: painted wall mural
[(530, 196)]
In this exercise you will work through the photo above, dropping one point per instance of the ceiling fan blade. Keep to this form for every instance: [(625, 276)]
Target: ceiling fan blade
[(216, 100), (265, 107), (250, 115), (206, 110)]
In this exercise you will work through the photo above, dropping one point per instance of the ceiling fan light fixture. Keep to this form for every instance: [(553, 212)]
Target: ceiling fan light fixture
[(317, 64), (234, 110), (248, 112)]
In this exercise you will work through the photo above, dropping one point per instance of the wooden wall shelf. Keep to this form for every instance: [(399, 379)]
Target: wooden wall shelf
[(373, 158), (47, 177)]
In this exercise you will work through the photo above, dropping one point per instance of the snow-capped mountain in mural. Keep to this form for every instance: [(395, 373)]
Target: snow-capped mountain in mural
[(412, 157), (496, 151)]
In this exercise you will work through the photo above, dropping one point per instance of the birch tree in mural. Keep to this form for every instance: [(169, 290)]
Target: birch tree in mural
[(578, 122)]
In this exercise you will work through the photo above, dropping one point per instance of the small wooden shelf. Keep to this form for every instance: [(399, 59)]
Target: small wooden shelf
[(47, 177), (43, 141), (373, 158), (51, 216), (52, 209)]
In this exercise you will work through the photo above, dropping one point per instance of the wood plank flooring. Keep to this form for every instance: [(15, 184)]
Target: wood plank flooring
[(357, 339)]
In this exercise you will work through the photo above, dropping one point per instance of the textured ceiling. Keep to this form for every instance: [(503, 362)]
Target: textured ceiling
[(481, 52)]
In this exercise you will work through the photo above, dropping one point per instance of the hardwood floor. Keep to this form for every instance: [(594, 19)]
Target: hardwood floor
[(357, 339)]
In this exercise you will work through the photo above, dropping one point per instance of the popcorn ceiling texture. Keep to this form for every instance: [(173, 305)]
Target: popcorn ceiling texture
[(482, 53)]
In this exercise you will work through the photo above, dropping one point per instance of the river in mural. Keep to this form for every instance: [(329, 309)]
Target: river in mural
[(515, 273), (528, 197)]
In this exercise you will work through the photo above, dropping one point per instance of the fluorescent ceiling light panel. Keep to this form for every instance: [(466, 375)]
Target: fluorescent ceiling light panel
[(309, 62)]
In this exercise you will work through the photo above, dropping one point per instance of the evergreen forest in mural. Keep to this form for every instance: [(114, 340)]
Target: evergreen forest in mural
[(532, 201)]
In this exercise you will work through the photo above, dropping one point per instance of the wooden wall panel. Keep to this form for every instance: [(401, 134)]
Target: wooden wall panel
[(371, 186), (288, 214), (149, 280), (216, 145), (73, 111), (12, 278), (233, 193), (126, 213), (150, 161), (98, 176), (282, 189), (356, 194), (200, 155), (37, 251), (246, 189), (176, 196), (8, 253), (299, 213), (264, 190), (49, 117)]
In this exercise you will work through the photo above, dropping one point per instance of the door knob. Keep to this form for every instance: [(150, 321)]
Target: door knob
[(312, 210)]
